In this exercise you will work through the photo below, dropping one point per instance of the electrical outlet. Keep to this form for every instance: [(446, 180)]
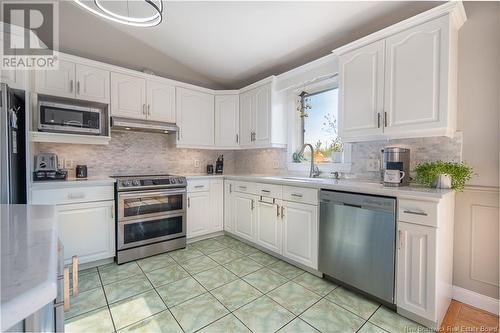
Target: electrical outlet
[(69, 164), (372, 164), (276, 164), (196, 163)]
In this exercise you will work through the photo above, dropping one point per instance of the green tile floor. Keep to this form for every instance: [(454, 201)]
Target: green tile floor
[(220, 285)]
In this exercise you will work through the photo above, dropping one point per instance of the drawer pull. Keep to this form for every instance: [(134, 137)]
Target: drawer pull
[(66, 289), (242, 187), (414, 212), (74, 260), (297, 195), (80, 195), (199, 186), (266, 191)]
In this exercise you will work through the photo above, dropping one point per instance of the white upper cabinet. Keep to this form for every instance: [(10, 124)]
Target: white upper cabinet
[(416, 78), (262, 116), (227, 121), (160, 101), (361, 88), (128, 96), (247, 102), (60, 82), (195, 118), (92, 84), (401, 82), (15, 78)]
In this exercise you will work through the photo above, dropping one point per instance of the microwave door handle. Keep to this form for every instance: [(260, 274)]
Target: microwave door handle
[(73, 122)]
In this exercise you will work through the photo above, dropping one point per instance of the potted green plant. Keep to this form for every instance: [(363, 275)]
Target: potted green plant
[(442, 174), (337, 149)]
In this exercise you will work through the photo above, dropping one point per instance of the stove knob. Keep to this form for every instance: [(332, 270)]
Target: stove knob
[(126, 183), (180, 180), (173, 181), (136, 183)]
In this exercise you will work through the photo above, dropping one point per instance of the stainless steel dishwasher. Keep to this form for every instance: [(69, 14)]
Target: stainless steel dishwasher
[(357, 243)]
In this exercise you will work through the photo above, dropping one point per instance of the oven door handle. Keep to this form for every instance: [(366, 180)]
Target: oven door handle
[(142, 194), (139, 219)]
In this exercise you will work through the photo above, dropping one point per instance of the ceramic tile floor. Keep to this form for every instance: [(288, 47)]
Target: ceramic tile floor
[(220, 285)]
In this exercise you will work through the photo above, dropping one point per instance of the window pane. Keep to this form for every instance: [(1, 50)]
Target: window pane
[(320, 126)]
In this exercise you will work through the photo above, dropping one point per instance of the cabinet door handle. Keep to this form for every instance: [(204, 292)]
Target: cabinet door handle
[(278, 210), (189, 202), (74, 261), (378, 120), (297, 195), (237, 138), (401, 239), (282, 211), (179, 134), (149, 109), (385, 119), (78, 87), (406, 211), (66, 305), (70, 85), (113, 211), (253, 204), (144, 109), (230, 188)]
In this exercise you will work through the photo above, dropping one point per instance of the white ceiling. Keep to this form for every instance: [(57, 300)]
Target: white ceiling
[(235, 43)]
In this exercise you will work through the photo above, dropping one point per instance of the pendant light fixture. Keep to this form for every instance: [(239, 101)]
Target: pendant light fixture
[(99, 8)]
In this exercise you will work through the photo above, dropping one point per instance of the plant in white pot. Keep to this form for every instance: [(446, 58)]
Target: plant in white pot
[(337, 149), (442, 174)]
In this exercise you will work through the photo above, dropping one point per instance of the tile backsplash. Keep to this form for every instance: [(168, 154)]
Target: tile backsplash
[(141, 153)]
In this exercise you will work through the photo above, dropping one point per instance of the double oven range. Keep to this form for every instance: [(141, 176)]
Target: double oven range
[(150, 215)]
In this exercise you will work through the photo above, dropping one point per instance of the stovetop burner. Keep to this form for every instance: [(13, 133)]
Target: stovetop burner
[(139, 182)]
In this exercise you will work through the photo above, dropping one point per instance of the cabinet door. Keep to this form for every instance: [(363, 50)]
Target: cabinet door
[(268, 222), (244, 216), (92, 84), (262, 115), (361, 91), (87, 230), (15, 78), (247, 102), (60, 82), (416, 269), (227, 120), (161, 102), (300, 233), (216, 205), (198, 219), (228, 206), (128, 96), (195, 117), (416, 77)]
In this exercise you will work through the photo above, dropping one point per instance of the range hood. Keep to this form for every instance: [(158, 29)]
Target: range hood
[(138, 125)]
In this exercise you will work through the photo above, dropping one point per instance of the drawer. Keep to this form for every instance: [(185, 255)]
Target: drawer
[(199, 185), (68, 195), (300, 194), (268, 190), (419, 212), (244, 187)]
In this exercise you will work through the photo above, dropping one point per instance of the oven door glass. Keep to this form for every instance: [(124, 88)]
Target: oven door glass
[(132, 206), (135, 233)]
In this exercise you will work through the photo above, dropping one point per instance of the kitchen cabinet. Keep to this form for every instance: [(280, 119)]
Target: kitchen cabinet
[(269, 233), (416, 269), (228, 203), (227, 121), (160, 99), (361, 91), (59, 82), (15, 78), (300, 233), (87, 230), (74, 80), (195, 118), (401, 82), (244, 215), (262, 124), (216, 205), (92, 84), (128, 96), (198, 221)]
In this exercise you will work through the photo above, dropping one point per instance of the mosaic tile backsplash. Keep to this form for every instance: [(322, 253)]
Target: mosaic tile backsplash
[(141, 153)]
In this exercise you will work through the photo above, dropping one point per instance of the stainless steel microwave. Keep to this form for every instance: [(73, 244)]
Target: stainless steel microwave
[(68, 118)]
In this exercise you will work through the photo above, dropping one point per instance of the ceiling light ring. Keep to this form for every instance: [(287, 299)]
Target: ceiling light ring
[(99, 4), (102, 14)]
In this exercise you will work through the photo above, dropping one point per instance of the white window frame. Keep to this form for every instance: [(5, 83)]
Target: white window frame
[(295, 136)]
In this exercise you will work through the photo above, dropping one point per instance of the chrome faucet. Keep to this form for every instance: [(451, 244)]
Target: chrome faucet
[(314, 171)]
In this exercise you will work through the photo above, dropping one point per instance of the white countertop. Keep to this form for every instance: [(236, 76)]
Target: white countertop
[(348, 185), (28, 260), (70, 182)]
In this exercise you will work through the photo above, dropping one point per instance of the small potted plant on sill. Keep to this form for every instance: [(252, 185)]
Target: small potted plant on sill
[(337, 149), (442, 174)]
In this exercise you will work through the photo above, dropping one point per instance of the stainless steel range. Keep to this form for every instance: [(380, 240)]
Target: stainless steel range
[(150, 215)]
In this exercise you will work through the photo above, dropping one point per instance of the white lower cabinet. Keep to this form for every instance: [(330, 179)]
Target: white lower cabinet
[(205, 207), (87, 230), (300, 233), (269, 226), (416, 269), (198, 220), (244, 215)]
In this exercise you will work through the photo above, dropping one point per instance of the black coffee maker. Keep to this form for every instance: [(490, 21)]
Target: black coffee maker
[(219, 164)]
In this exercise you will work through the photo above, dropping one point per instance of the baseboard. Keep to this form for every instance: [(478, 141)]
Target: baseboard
[(477, 300)]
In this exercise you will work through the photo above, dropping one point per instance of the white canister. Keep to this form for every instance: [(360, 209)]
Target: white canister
[(442, 181)]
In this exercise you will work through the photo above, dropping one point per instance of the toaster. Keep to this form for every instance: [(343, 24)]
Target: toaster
[(46, 162)]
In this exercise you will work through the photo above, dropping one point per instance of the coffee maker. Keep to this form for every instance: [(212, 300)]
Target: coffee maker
[(396, 158)]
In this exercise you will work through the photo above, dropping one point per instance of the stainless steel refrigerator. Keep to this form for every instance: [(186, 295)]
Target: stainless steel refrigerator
[(12, 146)]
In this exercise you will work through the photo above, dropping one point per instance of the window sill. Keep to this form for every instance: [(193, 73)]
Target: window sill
[(323, 167)]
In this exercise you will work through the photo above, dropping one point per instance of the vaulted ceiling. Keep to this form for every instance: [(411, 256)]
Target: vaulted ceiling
[(229, 44)]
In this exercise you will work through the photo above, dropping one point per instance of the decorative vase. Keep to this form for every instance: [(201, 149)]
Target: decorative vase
[(442, 181), (337, 157)]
